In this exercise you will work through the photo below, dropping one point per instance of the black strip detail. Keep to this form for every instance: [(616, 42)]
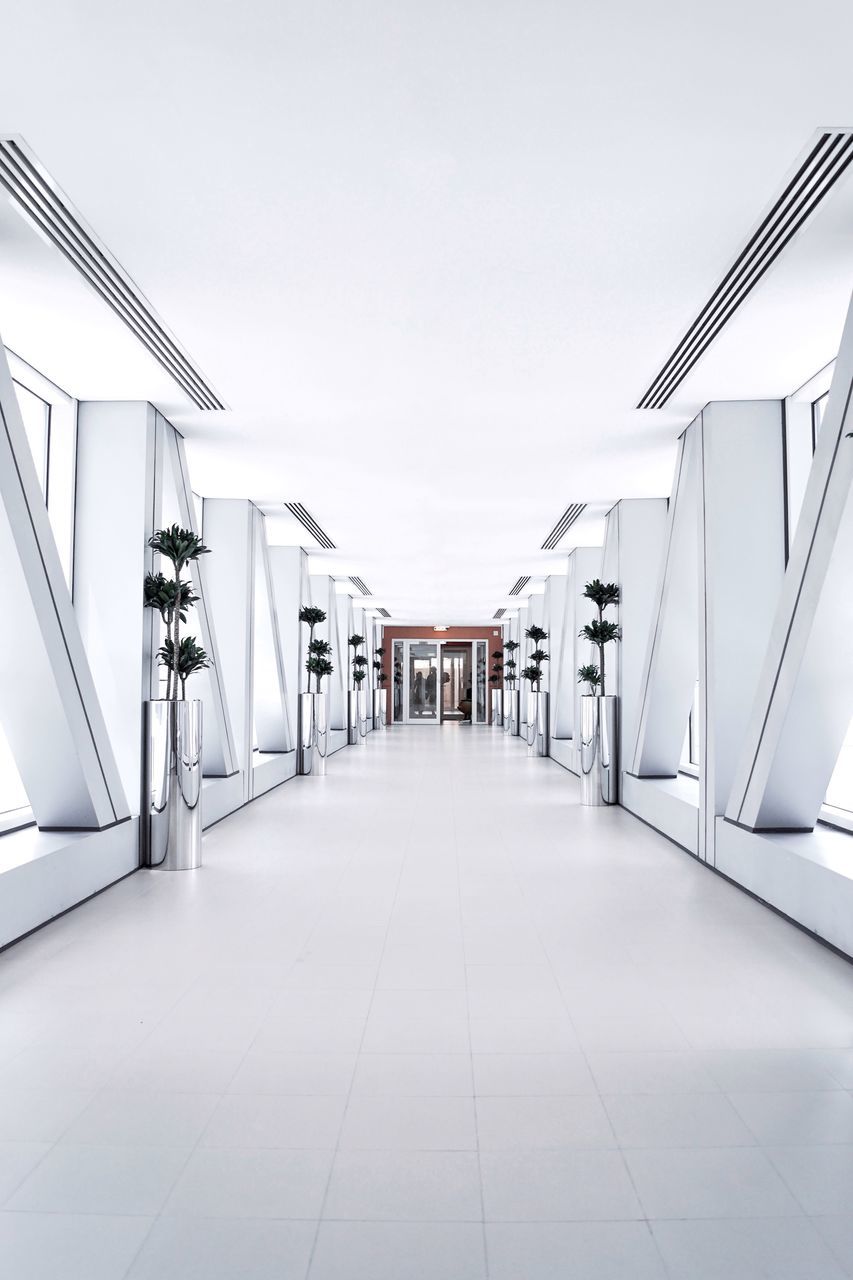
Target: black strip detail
[(817, 175)]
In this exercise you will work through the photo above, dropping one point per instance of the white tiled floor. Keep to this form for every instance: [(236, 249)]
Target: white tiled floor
[(426, 1019)]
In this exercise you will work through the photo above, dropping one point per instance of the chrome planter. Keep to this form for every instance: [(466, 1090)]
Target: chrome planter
[(599, 755), (497, 707), (172, 771), (380, 708), (353, 715), (362, 713), (538, 736), (313, 735), (512, 712)]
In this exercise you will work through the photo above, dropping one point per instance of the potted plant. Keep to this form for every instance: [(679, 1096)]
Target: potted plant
[(380, 696), (171, 810), (599, 758), (512, 716), (313, 722), (356, 719), (398, 690), (538, 742), (496, 681)]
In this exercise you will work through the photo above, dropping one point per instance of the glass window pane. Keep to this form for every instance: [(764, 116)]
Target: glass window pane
[(36, 415), (398, 681), (423, 681), (12, 793)]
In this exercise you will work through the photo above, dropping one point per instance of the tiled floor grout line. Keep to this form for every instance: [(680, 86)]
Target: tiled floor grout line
[(400, 870)]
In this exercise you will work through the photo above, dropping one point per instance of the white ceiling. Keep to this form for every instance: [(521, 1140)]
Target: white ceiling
[(431, 255)]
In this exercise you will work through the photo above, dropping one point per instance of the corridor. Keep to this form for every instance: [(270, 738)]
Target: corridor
[(426, 1019)]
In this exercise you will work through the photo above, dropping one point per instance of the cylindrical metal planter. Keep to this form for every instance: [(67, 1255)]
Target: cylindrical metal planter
[(313, 735), (353, 736), (497, 707), (362, 713), (512, 713), (538, 736), (599, 756), (380, 704), (172, 770)]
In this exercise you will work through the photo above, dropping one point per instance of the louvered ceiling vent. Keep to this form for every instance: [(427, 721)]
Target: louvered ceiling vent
[(500, 613), (519, 586), (825, 163), (48, 209), (359, 585), (308, 522), (563, 525), (384, 612)]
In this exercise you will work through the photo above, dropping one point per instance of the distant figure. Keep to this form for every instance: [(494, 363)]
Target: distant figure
[(431, 688), (418, 690), (465, 706)]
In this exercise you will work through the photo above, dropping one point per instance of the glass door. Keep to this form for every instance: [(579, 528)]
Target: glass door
[(420, 681)]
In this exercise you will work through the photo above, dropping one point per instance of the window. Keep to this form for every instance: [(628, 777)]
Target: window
[(50, 421), (690, 752)]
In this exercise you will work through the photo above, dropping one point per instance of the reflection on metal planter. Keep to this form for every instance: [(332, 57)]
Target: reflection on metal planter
[(171, 804), (497, 707), (362, 713), (512, 714), (353, 737), (380, 712), (313, 735), (538, 738), (599, 757)]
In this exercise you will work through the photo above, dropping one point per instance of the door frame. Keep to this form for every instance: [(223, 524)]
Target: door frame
[(407, 641)]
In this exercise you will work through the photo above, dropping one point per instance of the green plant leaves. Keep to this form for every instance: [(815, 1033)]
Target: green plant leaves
[(602, 594), (178, 545), (589, 675), (311, 615)]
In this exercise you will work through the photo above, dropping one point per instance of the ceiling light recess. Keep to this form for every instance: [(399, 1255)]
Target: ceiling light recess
[(827, 159), (46, 207)]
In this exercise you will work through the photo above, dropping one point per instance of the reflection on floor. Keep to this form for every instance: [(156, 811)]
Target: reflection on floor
[(426, 1017)]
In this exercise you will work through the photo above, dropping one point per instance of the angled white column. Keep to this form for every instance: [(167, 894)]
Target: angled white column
[(563, 677), (229, 588), (742, 564), (51, 713), (671, 665), (633, 543), (804, 702), (269, 680), (116, 509), (220, 753), (286, 566)]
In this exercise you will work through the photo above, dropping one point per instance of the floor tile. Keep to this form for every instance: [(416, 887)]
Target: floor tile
[(748, 1249), (677, 1120), (650, 1071), (718, 1182), (118, 1181), (59, 1246), (224, 1249), (820, 1177), (797, 1119), (269, 1120), (295, 1073), (418, 1186), (118, 1118), (399, 1251), (531, 1074), (413, 1075), (17, 1161), (525, 1124), (39, 1115), (557, 1186), (572, 1251), (416, 1124), (262, 1183)]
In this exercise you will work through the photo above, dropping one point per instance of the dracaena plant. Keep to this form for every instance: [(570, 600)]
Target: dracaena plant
[(381, 676), (510, 665), (497, 667), (191, 658), (537, 657), (589, 675), (601, 632), (172, 597), (359, 662), (317, 664)]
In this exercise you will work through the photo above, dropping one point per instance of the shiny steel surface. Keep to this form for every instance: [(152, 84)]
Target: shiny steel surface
[(538, 735), (599, 757), (313, 735), (172, 781)]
